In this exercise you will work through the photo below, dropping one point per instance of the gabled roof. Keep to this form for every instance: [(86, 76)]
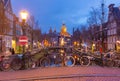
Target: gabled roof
[(111, 5), (116, 13), (5, 2), (7, 5)]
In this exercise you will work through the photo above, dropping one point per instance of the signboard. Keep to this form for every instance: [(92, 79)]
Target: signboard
[(23, 40)]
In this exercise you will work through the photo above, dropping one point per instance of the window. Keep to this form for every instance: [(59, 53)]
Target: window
[(115, 31), (108, 32)]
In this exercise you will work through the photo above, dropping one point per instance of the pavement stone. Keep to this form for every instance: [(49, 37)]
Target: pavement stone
[(85, 72)]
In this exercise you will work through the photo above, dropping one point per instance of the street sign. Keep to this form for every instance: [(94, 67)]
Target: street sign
[(23, 40)]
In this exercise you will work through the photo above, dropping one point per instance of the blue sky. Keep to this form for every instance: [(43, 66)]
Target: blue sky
[(52, 13)]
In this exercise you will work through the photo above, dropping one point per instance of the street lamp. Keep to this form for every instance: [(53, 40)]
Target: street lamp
[(0, 44), (24, 15)]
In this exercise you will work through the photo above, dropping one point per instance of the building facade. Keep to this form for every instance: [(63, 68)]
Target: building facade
[(6, 24), (17, 32), (7, 27), (113, 26), (64, 38), (1, 25)]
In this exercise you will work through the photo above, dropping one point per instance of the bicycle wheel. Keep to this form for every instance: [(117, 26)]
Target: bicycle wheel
[(110, 63), (85, 61), (117, 63), (16, 64), (69, 61), (44, 62), (31, 63), (5, 65)]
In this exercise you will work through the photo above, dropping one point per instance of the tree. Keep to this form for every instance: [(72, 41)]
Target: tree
[(94, 17), (98, 15), (37, 34), (86, 34), (35, 30), (97, 18)]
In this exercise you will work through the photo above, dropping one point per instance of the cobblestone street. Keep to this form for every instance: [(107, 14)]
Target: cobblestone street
[(77, 73)]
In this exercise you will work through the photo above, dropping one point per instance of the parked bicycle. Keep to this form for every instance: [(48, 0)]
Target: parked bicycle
[(57, 56), (5, 63), (21, 61), (81, 58)]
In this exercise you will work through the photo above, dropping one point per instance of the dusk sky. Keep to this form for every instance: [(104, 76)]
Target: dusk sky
[(52, 13)]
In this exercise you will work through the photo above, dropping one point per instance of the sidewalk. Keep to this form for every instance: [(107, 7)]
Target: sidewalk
[(49, 72)]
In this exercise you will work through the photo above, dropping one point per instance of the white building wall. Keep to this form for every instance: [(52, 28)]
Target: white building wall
[(112, 35), (8, 41), (10, 16)]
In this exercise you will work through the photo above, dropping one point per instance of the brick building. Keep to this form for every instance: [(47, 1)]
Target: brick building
[(113, 26)]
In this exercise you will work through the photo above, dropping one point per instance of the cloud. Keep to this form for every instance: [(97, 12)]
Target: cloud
[(54, 12)]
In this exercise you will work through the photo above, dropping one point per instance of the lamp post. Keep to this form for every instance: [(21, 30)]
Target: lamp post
[(102, 39), (24, 15), (0, 44)]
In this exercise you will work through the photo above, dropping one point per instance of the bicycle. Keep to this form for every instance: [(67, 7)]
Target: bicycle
[(21, 62)]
